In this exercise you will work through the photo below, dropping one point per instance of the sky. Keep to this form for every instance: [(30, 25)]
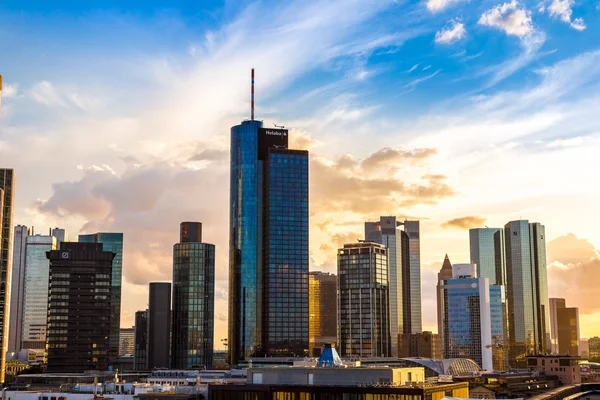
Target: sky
[(116, 117)]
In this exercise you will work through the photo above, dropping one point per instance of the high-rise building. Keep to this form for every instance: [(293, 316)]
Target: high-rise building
[(7, 193), (35, 303), (444, 274), (193, 300), (527, 290), (404, 272), (79, 308), (424, 344), (17, 288), (564, 328), (268, 272), (487, 252), (363, 293), (61, 235), (140, 352), (126, 341), (468, 318), (322, 309), (594, 349), (113, 242), (159, 325)]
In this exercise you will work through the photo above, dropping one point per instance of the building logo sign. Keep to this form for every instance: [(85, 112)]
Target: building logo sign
[(276, 133)]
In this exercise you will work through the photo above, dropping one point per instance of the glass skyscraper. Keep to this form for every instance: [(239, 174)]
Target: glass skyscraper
[(322, 289), (412, 285), (363, 306), (268, 272), (527, 289), (487, 252), (112, 242), (17, 288), (193, 299), (35, 304), (7, 198)]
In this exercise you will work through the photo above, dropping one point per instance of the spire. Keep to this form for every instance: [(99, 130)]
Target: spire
[(446, 264), (252, 97)]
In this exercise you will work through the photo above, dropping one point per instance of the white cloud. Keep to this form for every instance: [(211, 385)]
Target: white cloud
[(511, 17), (438, 5), (454, 32), (50, 95), (10, 90), (563, 9)]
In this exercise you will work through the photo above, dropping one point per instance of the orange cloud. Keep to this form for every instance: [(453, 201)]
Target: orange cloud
[(464, 222)]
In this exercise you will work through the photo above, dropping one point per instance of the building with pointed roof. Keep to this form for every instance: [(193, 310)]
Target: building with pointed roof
[(445, 273)]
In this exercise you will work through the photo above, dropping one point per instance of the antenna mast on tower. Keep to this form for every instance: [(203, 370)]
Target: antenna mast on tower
[(252, 98)]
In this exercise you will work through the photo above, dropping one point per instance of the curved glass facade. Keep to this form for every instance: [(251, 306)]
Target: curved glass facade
[(193, 305)]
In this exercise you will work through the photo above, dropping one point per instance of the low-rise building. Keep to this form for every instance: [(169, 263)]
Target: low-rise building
[(423, 344), (565, 367)]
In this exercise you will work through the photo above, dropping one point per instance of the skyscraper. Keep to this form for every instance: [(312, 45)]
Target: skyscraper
[(17, 288), (444, 274), (363, 293), (79, 308), (159, 325), (7, 193), (467, 316), (404, 273), (564, 328), (322, 289), (527, 290), (35, 303), (112, 242), (140, 351), (193, 299), (126, 341), (268, 271)]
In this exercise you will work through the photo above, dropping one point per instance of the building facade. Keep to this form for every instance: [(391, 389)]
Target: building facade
[(424, 344), (268, 287), (467, 317), (444, 274), (594, 349), (140, 351), (564, 328), (7, 195), (159, 325), (36, 298), (79, 308), (17, 288), (565, 367), (193, 300), (487, 252), (322, 308), (113, 242), (126, 341), (363, 308), (527, 290)]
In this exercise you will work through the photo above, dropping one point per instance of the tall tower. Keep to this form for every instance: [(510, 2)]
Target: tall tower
[(444, 274), (159, 325), (79, 308), (268, 244), (564, 328), (111, 241), (322, 311), (7, 193), (363, 307), (527, 290), (140, 341), (193, 300), (17, 288)]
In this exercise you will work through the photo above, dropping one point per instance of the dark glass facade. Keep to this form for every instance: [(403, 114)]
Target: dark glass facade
[(193, 305), (268, 272), (363, 306), (79, 308), (140, 352), (112, 242), (487, 252), (159, 325), (7, 195)]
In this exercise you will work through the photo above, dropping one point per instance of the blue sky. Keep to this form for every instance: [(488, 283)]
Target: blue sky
[(477, 112)]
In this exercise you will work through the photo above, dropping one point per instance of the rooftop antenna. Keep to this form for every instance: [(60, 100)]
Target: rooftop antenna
[(252, 98)]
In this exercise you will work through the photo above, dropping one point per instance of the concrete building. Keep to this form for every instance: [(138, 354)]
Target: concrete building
[(126, 341), (564, 328), (17, 288), (424, 344), (565, 367), (322, 311), (159, 325), (7, 200), (363, 311), (193, 300), (79, 308), (444, 274)]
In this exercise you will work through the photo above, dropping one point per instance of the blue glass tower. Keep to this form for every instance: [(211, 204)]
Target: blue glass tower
[(268, 272), (112, 242)]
